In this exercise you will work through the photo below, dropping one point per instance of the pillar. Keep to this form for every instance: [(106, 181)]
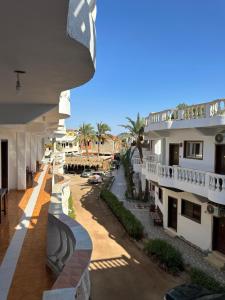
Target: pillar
[(21, 160), (33, 156)]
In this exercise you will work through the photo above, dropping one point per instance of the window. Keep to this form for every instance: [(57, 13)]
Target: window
[(191, 210), (160, 195), (193, 149)]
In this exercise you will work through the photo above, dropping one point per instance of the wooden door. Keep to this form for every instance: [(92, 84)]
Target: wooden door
[(4, 163), (219, 234), (172, 213), (174, 154), (220, 159)]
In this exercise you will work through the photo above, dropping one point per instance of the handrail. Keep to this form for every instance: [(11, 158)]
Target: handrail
[(69, 249)]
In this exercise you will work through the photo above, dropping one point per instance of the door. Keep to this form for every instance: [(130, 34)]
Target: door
[(174, 154), (172, 213), (4, 163), (219, 234), (220, 159)]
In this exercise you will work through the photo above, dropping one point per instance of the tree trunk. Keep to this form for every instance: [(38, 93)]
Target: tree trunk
[(86, 148), (98, 147)]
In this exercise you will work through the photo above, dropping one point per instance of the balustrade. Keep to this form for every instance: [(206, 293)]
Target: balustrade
[(191, 176), (198, 111)]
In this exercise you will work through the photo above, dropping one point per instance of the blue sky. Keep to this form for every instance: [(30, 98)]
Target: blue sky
[(152, 55)]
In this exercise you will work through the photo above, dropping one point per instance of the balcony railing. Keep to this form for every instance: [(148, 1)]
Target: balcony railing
[(206, 184), (198, 111), (69, 247)]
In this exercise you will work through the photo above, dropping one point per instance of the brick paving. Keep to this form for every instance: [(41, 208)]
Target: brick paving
[(192, 256)]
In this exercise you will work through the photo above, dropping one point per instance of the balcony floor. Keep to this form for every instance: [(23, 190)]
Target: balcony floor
[(29, 276)]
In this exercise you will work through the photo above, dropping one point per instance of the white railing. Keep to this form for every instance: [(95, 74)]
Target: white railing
[(206, 184), (152, 167), (166, 171), (68, 244), (217, 182), (198, 111), (190, 175)]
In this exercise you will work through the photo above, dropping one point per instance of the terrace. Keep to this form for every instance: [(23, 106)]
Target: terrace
[(210, 114), (36, 220)]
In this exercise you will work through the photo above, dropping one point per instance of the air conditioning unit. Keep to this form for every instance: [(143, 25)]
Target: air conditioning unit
[(215, 210), (219, 138)]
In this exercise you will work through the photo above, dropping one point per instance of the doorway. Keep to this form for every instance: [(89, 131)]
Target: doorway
[(219, 234), (220, 159), (174, 154), (4, 164), (172, 213)]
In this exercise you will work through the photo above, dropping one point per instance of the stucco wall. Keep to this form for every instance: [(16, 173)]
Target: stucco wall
[(198, 234), (179, 136)]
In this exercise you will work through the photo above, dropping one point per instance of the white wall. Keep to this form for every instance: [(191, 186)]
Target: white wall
[(197, 234), (179, 136)]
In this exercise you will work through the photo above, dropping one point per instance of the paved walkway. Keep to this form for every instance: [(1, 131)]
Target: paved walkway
[(119, 186), (118, 269), (192, 256)]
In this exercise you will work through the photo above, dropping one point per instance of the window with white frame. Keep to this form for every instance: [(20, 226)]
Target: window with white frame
[(193, 149)]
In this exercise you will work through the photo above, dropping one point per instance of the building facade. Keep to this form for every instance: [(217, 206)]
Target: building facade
[(184, 167)]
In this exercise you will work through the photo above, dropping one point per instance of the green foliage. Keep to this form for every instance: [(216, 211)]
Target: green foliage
[(71, 210), (136, 130), (128, 170), (201, 278), (86, 134), (101, 133), (132, 225), (169, 257), (181, 106)]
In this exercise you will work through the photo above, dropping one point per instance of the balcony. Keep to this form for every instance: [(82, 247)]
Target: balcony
[(195, 116), (206, 184), (69, 246)]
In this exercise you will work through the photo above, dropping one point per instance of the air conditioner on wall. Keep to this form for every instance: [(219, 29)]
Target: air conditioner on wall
[(219, 138), (215, 210)]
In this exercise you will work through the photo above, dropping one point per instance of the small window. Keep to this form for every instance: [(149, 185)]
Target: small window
[(160, 195), (193, 149), (191, 210)]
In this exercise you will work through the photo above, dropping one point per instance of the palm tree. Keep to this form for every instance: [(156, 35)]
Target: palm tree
[(86, 134), (136, 130), (101, 133)]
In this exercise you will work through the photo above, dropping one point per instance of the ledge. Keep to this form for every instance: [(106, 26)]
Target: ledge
[(69, 250)]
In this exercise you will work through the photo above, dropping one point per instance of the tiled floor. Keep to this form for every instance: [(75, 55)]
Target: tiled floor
[(31, 277)]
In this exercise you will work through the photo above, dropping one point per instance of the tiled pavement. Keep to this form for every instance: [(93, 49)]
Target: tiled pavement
[(27, 216), (192, 256)]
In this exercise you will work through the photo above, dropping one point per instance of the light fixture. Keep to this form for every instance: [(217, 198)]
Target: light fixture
[(18, 84)]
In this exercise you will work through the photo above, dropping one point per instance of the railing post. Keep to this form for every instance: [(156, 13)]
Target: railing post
[(175, 173), (207, 186), (207, 110)]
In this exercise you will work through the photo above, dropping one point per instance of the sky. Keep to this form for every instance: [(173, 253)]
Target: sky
[(152, 55)]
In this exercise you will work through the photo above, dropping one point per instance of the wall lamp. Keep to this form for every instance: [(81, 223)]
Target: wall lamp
[(18, 84)]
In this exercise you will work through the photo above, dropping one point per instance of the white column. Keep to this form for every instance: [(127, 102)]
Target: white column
[(33, 154), (21, 160)]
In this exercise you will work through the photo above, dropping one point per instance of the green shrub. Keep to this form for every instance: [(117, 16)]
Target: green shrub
[(132, 225), (201, 278), (166, 254), (71, 211)]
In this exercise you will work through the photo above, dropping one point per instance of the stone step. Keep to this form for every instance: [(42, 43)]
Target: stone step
[(216, 259)]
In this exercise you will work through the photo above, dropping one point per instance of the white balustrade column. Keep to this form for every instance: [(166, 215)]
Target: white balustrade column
[(33, 156), (40, 150), (21, 160)]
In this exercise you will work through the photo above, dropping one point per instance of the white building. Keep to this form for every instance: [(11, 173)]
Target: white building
[(184, 166), (47, 48)]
